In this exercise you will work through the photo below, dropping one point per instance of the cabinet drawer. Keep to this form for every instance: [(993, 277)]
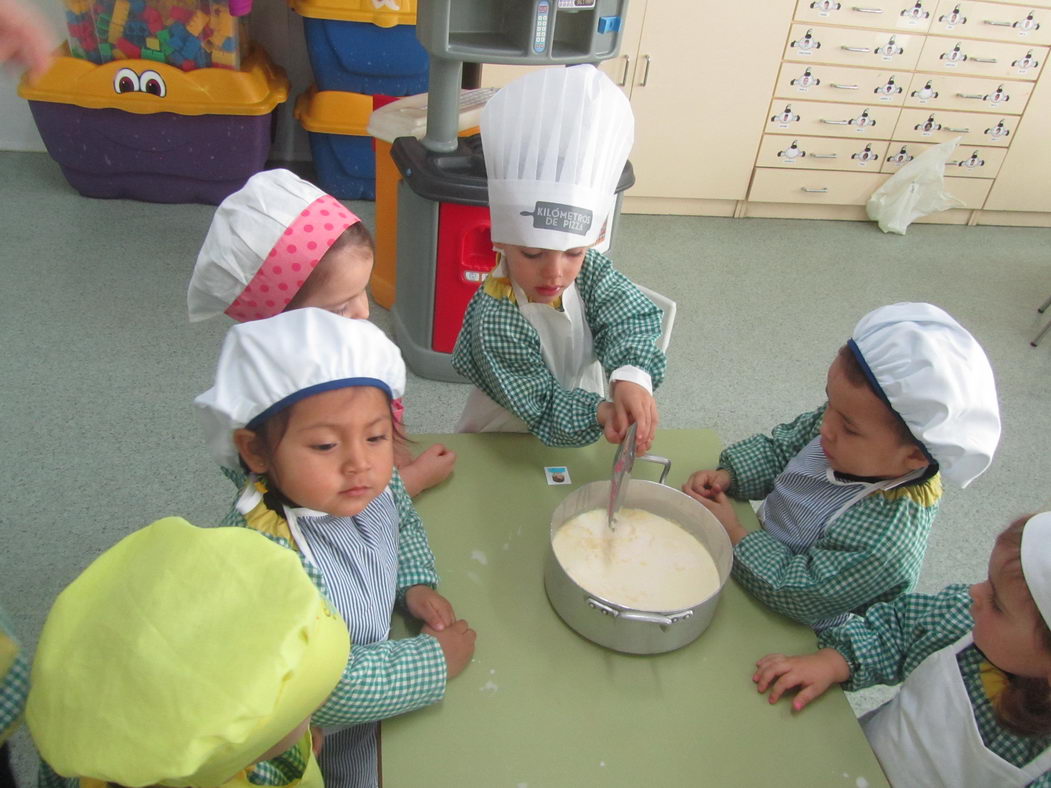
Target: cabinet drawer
[(1035, 3), (966, 162), (993, 21), (822, 188), (821, 153), (981, 58), (913, 17), (922, 125), (968, 93), (842, 83), (971, 191), (827, 119), (853, 47)]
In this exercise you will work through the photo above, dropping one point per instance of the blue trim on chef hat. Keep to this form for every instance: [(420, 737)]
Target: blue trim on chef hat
[(309, 391)]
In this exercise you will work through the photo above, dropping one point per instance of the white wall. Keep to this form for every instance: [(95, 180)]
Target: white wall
[(272, 23)]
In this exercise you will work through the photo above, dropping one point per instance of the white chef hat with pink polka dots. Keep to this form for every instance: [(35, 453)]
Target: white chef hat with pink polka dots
[(263, 243)]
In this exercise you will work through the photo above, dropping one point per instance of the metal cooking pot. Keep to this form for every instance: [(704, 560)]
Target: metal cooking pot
[(620, 628)]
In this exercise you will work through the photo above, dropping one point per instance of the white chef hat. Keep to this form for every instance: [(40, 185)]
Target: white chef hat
[(936, 377), (263, 243), (1036, 561), (267, 365), (555, 142)]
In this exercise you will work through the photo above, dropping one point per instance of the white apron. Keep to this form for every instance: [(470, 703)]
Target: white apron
[(927, 737), (568, 350)]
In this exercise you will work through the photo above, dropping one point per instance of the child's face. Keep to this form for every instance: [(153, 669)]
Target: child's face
[(336, 454), (338, 283), (1007, 622), (542, 273), (860, 434)]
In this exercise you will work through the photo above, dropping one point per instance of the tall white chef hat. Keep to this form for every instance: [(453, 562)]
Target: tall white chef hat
[(263, 243), (1036, 561), (268, 365), (555, 142), (935, 375)]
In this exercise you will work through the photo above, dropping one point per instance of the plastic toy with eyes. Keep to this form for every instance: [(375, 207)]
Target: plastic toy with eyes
[(890, 49), (928, 125), (954, 55), (916, 12), (863, 120), (806, 80), (1026, 62), (1027, 24), (901, 157), (954, 18), (792, 152), (998, 96), (865, 155), (807, 42), (826, 5), (149, 81), (890, 89), (787, 116), (999, 131), (926, 92), (972, 163)]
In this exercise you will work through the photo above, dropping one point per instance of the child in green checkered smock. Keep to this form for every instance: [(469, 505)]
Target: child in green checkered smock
[(974, 664), (850, 490), (14, 686)]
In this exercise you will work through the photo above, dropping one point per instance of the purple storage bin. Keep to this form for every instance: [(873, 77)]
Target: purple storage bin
[(162, 157)]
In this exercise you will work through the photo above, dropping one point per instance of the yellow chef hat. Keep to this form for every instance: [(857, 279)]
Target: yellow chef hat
[(180, 656)]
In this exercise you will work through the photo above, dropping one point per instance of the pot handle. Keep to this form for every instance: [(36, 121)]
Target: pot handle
[(637, 615), (660, 461)]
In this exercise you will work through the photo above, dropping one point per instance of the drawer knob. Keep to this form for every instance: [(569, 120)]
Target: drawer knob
[(820, 190), (843, 87), (861, 10), (824, 155), (956, 130), (856, 49)]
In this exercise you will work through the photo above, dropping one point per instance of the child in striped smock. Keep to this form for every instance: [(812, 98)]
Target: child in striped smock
[(974, 664), (850, 490), (302, 402)]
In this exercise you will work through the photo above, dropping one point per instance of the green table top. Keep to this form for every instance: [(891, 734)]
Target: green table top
[(541, 707)]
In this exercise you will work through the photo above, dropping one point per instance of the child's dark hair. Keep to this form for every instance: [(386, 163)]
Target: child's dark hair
[(1024, 705), (856, 377)]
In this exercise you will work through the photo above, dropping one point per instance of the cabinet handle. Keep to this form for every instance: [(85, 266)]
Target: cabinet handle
[(835, 122), (958, 131), (822, 190), (998, 24), (843, 87), (627, 67), (983, 59), (824, 155), (970, 95), (861, 10), (645, 72), (855, 49)]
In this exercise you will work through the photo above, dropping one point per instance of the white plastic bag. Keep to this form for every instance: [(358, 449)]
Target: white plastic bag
[(916, 190)]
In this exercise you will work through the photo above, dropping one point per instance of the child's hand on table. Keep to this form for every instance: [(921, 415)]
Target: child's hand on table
[(707, 484), (814, 673), (426, 604), (631, 404), (431, 467), (457, 642), (707, 487)]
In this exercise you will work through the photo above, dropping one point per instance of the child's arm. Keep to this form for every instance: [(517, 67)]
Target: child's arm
[(415, 559), (499, 352), (872, 553), (14, 679), (813, 673)]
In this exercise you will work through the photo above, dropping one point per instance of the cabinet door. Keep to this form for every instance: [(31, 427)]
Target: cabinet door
[(699, 106)]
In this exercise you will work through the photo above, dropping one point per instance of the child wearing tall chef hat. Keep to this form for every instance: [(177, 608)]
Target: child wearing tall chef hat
[(850, 490), (281, 243), (302, 404), (168, 662), (555, 329), (974, 664)]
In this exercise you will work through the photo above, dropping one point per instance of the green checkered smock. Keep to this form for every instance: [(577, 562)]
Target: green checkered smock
[(14, 679), (894, 637), (499, 351), (872, 553)]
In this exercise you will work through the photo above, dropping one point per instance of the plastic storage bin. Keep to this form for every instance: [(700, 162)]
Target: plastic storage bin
[(149, 131), (336, 122), (354, 50), (187, 34)]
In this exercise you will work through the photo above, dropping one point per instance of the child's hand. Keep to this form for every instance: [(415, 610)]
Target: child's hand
[(432, 467), (25, 37), (430, 607), (722, 507), (457, 642), (707, 484), (814, 673), (317, 739), (631, 404)]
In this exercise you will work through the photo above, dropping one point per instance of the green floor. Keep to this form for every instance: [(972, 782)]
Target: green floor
[(99, 364)]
